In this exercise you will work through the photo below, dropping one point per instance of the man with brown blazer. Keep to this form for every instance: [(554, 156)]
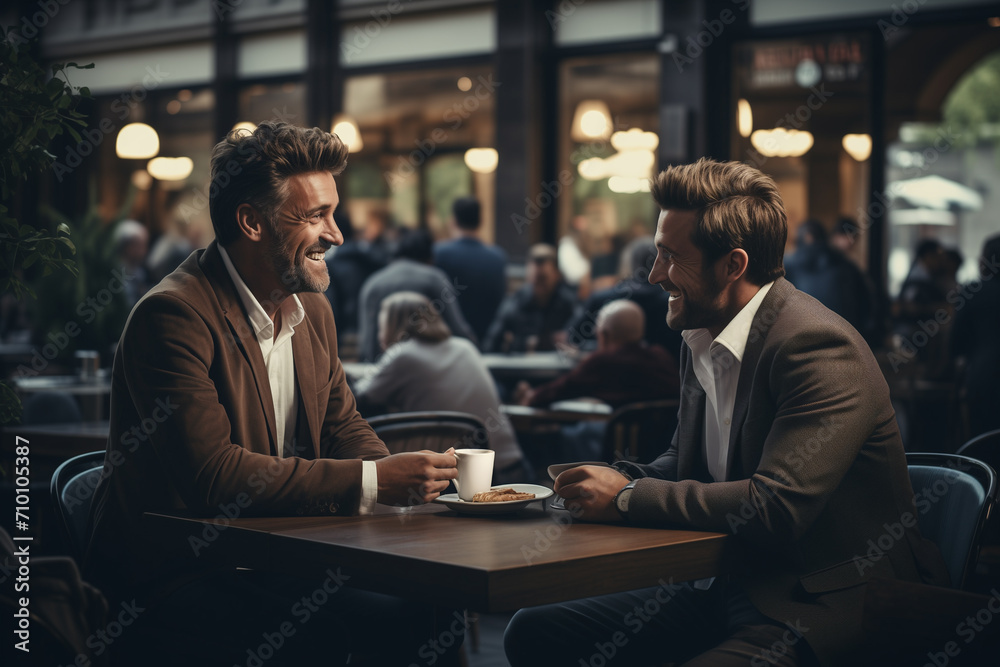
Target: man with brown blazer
[(228, 400), (786, 440)]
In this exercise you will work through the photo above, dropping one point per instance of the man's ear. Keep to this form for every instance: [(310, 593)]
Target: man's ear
[(250, 222), (735, 265)]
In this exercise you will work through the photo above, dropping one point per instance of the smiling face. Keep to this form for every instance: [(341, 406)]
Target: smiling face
[(303, 231), (697, 298)]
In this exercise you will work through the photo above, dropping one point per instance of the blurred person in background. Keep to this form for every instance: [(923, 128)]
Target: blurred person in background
[(975, 336), (350, 265), (826, 274), (131, 239), (532, 319), (574, 261), (634, 265), (624, 368), (424, 368), (411, 270), (479, 268)]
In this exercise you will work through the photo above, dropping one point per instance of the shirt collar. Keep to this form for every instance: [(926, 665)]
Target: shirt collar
[(734, 336), (292, 311)]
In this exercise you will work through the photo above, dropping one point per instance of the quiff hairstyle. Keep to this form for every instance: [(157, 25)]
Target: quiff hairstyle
[(254, 168), (735, 206), (411, 315)]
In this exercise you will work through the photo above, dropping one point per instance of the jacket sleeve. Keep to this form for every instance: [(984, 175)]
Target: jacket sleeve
[(171, 356), (814, 378)]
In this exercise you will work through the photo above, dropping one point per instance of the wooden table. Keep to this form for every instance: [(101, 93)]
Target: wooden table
[(483, 563), (90, 393)]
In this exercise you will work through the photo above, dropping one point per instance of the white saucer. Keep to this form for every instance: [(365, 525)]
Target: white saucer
[(465, 507)]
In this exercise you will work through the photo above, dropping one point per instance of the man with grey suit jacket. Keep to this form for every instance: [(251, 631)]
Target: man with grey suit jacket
[(786, 440)]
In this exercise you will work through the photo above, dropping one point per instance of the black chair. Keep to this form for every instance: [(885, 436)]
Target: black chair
[(986, 448), (433, 430), (72, 489), (640, 432), (958, 494)]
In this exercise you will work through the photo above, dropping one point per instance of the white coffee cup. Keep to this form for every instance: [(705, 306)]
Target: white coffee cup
[(475, 472)]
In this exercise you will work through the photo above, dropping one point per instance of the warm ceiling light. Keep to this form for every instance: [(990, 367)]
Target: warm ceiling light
[(245, 125), (184, 95), (141, 179), (170, 168), (744, 118), (137, 141), (780, 142), (173, 106), (994, 21), (635, 139), (593, 169), (628, 185), (347, 129), (465, 84), (858, 146), (482, 160), (591, 121)]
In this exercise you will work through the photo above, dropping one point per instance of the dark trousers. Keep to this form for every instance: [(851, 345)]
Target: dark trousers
[(672, 623), (260, 619)]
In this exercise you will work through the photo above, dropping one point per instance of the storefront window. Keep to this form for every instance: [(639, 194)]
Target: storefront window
[(941, 177), (608, 123), (426, 138), (801, 116)]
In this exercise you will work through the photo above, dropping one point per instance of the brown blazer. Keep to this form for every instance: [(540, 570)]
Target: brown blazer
[(816, 470), (193, 428)]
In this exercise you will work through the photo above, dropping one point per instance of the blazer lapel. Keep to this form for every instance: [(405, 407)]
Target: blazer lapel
[(242, 333), (762, 321)]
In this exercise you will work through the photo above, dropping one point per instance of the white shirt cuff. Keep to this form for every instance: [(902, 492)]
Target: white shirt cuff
[(369, 487)]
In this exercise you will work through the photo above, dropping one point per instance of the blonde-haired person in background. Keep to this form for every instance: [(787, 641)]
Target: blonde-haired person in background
[(424, 367)]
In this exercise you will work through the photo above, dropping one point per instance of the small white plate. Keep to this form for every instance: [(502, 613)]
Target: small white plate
[(466, 507)]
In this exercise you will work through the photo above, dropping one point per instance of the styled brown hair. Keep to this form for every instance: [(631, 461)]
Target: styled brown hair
[(254, 168), (736, 206), (411, 315)]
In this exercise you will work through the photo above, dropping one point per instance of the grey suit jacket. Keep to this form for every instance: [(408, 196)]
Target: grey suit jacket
[(816, 472)]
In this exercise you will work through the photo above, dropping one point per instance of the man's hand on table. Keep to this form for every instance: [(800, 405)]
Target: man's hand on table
[(591, 491), (411, 478)]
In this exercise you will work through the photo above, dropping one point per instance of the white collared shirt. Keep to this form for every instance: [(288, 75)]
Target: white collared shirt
[(280, 363), (717, 366)]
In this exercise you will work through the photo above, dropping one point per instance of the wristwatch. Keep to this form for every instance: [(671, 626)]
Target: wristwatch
[(622, 498)]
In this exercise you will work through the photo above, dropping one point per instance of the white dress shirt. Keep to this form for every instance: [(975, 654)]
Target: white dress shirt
[(717, 366), (280, 363)]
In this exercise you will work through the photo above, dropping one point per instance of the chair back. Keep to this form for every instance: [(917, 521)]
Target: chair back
[(433, 430), (640, 432), (955, 495), (50, 407), (985, 447), (72, 489)]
